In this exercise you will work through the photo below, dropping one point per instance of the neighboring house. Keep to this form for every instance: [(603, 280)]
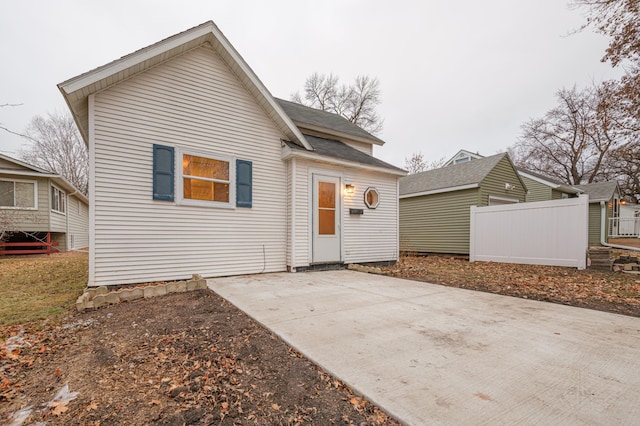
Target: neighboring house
[(36, 202), (603, 197), (539, 187), (629, 219), (435, 205), (462, 156), (195, 168), (544, 188)]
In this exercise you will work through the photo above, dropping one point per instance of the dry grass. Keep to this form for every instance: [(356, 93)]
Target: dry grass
[(34, 288)]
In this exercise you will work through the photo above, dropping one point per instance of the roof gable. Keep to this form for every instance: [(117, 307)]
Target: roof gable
[(77, 89), (454, 176), (462, 156), (333, 124), (12, 164)]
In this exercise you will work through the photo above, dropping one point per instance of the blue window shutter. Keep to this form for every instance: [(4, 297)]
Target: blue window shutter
[(163, 172), (243, 183)]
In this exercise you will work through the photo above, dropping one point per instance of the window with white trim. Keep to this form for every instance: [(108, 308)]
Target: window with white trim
[(206, 179), (58, 200), (18, 194)]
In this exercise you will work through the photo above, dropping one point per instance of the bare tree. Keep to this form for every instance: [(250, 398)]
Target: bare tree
[(619, 20), (2, 127), (624, 166), (56, 145), (572, 141), (417, 163), (357, 102)]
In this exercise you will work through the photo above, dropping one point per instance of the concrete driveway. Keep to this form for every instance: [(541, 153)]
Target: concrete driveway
[(430, 354)]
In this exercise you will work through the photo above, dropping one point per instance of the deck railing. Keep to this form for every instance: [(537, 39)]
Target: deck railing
[(35, 247), (621, 227)]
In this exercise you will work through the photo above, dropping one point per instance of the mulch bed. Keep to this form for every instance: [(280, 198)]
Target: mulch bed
[(188, 358)]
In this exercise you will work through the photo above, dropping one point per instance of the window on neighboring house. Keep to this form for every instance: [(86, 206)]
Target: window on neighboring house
[(18, 194), (461, 160), (58, 200)]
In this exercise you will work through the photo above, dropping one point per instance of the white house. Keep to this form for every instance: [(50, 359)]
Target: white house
[(197, 169), (37, 205)]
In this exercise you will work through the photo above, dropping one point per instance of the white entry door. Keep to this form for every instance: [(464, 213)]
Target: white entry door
[(326, 219)]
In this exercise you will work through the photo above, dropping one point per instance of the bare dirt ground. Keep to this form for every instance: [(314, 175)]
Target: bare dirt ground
[(192, 358), (189, 358), (601, 290)]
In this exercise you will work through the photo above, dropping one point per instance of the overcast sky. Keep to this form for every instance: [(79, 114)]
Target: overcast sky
[(454, 75)]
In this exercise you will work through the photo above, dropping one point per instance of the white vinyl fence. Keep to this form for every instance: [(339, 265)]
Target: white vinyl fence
[(541, 233)]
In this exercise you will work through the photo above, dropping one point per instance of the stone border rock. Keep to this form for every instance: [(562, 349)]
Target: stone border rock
[(627, 264), (97, 297), (363, 268)]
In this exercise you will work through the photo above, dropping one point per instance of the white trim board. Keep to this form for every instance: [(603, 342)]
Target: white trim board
[(441, 190)]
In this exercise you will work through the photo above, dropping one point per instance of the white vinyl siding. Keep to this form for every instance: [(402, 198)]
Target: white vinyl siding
[(191, 102), (370, 237), (78, 217)]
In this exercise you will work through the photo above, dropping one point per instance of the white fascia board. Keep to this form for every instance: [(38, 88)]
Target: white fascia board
[(560, 187), (539, 180), (27, 173), (246, 69), (441, 190), (22, 163), (289, 153), (89, 78), (161, 47), (338, 134)]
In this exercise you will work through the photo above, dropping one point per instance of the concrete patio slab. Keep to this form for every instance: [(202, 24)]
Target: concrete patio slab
[(430, 354)]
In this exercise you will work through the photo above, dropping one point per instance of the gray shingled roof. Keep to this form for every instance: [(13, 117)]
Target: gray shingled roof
[(336, 149), (602, 191), (468, 173), (315, 117)]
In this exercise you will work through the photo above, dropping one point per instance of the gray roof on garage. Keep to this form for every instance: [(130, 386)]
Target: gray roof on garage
[(454, 175), (602, 191)]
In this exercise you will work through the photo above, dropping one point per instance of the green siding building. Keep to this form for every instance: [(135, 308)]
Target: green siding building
[(544, 188), (603, 192), (435, 205)]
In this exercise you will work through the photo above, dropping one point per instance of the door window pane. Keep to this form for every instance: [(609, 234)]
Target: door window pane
[(326, 222), (326, 195)]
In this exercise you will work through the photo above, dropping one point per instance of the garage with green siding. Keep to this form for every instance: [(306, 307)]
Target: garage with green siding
[(602, 192), (435, 205)]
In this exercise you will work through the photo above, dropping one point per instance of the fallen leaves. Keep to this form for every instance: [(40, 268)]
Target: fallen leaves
[(191, 358), (608, 291)]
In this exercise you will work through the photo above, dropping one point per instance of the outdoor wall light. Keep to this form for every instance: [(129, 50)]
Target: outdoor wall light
[(349, 189)]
